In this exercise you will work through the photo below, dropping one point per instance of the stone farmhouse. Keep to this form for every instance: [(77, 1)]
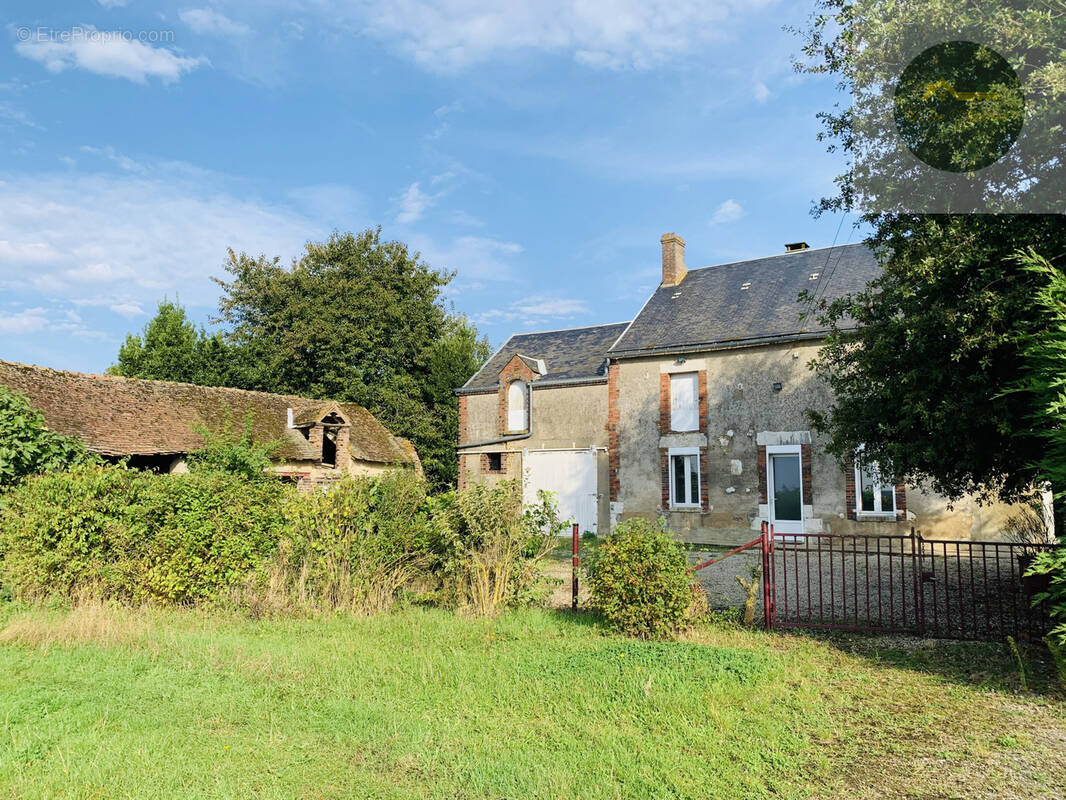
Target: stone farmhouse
[(153, 424), (694, 410)]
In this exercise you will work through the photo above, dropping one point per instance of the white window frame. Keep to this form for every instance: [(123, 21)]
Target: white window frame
[(685, 451), (784, 526), (524, 389), (676, 407), (878, 512)]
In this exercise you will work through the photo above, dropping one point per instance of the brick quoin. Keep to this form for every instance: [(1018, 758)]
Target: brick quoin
[(850, 495), (805, 474), (702, 379), (463, 467), (515, 370), (612, 432), (705, 482), (664, 470), (760, 462), (901, 503)]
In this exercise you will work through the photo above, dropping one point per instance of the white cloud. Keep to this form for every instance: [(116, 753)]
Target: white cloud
[(761, 92), (29, 320), (128, 310), (452, 34), (123, 240), (208, 22), (109, 53), (413, 204), (112, 3), (535, 310), (729, 211), (474, 258)]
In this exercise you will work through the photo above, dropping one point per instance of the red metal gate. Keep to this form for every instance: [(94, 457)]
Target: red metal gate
[(907, 584)]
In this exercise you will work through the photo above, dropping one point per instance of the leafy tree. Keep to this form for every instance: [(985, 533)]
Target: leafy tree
[(357, 319), (1045, 383), (918, 362), (171, 348), (27, 446)]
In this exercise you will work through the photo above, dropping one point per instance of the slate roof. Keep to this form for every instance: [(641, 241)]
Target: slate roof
[(126, 416), (572, 354), (746, 301)]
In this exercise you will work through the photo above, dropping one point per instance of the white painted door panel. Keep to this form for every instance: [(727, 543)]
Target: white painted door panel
[(571, 475)]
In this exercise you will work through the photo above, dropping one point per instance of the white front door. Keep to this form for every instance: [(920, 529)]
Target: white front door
[(784, 488), (571, 475)]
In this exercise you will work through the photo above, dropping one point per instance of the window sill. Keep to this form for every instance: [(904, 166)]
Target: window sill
[(686, 508), (876, 516)]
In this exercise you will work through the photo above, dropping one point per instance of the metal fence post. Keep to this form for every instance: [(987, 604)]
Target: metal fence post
[(768, 619), (573, 584), (919, 588)]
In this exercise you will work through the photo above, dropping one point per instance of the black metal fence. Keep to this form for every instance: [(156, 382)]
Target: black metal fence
[(947, 589)]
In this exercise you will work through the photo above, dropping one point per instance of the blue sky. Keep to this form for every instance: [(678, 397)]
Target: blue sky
[(538, 148)]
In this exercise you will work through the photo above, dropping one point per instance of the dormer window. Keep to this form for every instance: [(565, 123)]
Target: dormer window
[(330, 428), (518, 407)]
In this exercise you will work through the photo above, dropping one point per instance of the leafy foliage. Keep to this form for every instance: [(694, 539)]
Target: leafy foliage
[(361, 320), (1045, 383), (27, 446), (639, 581), (918, 361), (171, 348), (116, 533), (233, 452), (354, 547), (488, 548)]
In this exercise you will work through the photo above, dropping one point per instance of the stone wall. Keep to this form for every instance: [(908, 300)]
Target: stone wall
[(742, 402), (563, 417)]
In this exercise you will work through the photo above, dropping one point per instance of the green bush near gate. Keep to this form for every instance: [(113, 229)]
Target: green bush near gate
[(640, 583)]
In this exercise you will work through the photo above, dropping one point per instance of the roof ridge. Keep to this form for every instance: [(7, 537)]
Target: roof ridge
[(564, 330), (124, 378), (765, 258)]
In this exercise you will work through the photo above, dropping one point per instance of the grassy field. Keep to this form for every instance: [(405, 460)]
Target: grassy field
[(537, 704)]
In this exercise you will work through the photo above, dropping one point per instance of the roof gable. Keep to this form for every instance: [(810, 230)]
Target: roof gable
[(570, 354), (746, 301)]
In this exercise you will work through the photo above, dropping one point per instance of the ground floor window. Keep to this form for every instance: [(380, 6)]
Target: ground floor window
[(684, 464), (873, 496), (494, 462)]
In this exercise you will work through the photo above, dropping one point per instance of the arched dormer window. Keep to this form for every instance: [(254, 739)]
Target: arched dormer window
[(518, 407)]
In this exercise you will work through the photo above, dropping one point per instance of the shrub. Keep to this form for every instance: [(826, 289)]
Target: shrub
[(354, 547), (488, 548), (27, 447), (234, 452), (639, 581), (115, 533), (1053, 563)]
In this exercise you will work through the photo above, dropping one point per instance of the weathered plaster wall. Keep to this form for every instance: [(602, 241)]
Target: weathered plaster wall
[(741, 403), (563, 417)]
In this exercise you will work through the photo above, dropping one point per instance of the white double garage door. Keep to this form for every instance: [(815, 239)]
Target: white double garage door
[(571, 475)]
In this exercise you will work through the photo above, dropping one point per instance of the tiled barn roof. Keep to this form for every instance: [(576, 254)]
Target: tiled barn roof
[(127, 416)]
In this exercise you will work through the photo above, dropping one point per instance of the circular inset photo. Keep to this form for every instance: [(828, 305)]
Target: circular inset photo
[(959, 106)]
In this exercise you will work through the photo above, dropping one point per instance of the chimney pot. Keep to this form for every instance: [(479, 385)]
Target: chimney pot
[(674, 270)]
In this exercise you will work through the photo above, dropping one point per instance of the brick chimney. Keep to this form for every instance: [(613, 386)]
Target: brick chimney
[(673, 259)]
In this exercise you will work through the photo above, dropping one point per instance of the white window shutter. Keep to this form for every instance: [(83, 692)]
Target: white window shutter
[(684, 402), (516, 406)]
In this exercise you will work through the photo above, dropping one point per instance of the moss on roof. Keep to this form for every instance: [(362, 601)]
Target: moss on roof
[(127, 416)]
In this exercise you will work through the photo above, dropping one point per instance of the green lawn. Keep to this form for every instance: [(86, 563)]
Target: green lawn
[(536, 704)]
